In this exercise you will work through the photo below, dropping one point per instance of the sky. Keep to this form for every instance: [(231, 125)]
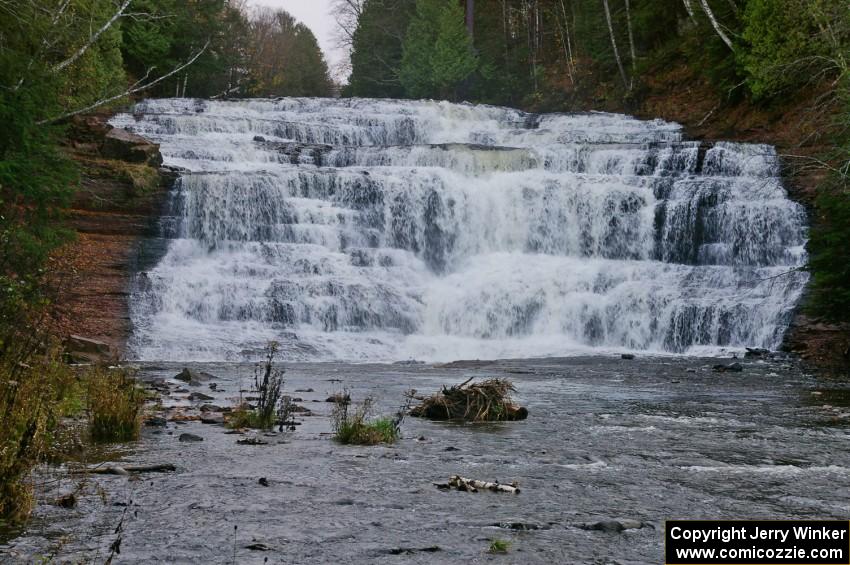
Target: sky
[(316, 15)]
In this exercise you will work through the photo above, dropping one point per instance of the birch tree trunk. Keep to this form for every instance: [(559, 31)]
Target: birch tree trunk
[(93, 39), (631, 42), (567, 43), (614, 44), (470, 18), (707, 9), (690, 9)]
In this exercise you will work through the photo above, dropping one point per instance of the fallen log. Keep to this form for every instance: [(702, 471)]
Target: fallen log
[(118, 470), (473, 485)]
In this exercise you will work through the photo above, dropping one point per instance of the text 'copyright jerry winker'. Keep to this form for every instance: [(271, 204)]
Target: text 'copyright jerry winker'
[(757, 542)]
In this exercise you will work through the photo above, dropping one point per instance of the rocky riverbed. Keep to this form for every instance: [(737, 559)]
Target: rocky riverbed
[(612, 447)]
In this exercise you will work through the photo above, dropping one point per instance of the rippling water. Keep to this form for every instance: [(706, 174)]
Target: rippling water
[(649, 440)]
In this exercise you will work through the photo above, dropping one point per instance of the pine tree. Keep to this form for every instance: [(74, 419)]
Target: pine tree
[(417, 71), (438, 53), (376, 56), (454, 59)]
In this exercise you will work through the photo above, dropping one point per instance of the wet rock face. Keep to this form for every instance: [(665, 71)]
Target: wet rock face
[(121, 195), (126, 146)]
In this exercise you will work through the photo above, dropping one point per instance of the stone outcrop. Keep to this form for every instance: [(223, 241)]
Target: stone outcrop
[(119, 200), (126, 146)]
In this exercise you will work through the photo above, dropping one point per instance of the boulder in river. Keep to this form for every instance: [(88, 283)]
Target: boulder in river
[(189, 438), (612, 525), (756, 353), (192, 377)]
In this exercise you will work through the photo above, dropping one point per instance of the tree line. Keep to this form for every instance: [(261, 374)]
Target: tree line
[(525, 51)]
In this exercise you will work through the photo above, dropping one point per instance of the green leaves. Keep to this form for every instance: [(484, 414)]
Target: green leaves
[(438, 54), (376, 57)]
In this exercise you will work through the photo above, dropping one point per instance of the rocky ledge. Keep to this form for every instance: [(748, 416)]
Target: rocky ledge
[(119, 200)]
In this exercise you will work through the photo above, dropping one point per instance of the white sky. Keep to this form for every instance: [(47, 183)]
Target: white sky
[(316, 15)]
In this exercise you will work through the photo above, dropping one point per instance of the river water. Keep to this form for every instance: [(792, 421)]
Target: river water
[(357, 233), (647, 440)]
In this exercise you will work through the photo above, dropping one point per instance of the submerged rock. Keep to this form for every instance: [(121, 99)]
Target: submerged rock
[(212, 418), (612, 525), (519, 526), (756, 353), (732, 367), (412, 550), (190, 437), (155, 422), (339, 398)]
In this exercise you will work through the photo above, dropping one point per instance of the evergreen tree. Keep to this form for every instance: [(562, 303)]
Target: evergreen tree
[(417, 72), (453, 59), (438, 55), (377, 48)]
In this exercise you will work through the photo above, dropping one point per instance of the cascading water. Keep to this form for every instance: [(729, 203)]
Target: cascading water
[(387, 230)]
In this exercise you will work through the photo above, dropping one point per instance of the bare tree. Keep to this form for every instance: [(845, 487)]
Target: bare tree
[(346, 14), (614, 43), (567, 42), (139, 86)]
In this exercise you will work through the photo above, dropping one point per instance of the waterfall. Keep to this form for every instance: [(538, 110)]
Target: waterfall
[(381, 230)]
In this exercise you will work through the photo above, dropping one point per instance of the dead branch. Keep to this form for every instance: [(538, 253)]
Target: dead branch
[(128, 92), (93, 39), (473, 485), (117, 470)]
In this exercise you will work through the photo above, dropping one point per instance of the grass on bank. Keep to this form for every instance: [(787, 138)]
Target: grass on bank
[(355, 427), (37, 392), (31, 399)]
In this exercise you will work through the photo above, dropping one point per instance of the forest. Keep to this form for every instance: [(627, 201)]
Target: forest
[(64, 58)]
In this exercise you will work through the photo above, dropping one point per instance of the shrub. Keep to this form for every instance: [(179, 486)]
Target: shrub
[(115, 405), (272, 406), (355, 427)]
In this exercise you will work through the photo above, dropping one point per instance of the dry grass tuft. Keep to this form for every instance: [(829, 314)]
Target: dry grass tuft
[(354, 427), (115, 405)]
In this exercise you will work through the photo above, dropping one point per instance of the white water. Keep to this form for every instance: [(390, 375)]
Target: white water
[(390, 230)]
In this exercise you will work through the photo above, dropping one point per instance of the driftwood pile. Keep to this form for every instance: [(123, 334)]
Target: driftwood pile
[(474, 485), (486, 401)]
